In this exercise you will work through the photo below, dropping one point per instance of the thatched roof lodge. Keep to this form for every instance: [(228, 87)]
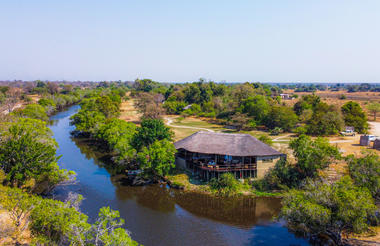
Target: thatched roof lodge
[(210, 153)]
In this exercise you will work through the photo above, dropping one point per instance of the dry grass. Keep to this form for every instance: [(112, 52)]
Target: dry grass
[(35, 97), (128, 112), (9, 235), (371, 238), (332, 97)]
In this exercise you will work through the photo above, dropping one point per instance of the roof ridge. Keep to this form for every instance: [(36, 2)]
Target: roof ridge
[(224, 133)]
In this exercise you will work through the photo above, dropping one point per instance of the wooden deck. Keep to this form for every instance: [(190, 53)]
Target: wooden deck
[(207, 172)]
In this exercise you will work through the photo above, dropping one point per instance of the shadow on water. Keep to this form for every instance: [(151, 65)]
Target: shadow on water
[(157, 215)]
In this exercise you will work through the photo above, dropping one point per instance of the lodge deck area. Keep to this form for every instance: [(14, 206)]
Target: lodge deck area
[(209, 154), (211, 166)]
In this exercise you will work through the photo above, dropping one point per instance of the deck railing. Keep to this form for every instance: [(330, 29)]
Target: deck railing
[(226, 168)]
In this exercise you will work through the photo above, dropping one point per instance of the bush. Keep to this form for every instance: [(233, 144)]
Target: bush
[(33, 111), (365, 171), (225, 185), (300, 130), (329, 209), (266, 139)]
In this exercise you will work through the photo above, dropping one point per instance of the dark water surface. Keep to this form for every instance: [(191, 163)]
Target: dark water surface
[(159, 216)]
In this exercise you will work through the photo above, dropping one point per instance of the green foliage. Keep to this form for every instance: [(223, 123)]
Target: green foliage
[(365, 171), (33, 111), (225, 185), (174, 107), (329, 208), (257, 107), (45, 102), (17, 203), (326, 120), (54, 221), (94, 112), (25, 154), (374, 108), (283, 117), (145, 85), (266, 139), (110, 108), (300, 130), (313, 155), (306, 102), (88, 121), (113, 131), (151, 130), (157, 159), (355, 116)]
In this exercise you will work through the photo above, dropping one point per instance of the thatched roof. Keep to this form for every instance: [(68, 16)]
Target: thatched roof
[(225, 144)]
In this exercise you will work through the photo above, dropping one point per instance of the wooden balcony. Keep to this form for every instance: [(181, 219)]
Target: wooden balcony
[(228, 168), (222, 167)]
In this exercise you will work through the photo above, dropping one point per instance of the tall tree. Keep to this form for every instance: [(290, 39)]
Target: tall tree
[(355, 116), (374, 108), (151, 130), (157, 159), (25, 155), (329, 209), (365, 171), (313, 155)]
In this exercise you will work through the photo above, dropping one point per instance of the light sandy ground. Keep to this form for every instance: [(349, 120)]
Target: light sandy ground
[(128, 111), (375, 128), (18, 105)]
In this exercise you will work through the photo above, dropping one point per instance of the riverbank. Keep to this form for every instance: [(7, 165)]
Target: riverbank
[(182, 179)]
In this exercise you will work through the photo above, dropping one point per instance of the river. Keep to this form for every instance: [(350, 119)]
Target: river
[(157, 215)]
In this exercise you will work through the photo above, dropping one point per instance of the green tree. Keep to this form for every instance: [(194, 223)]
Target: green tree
[(330, 209), (313, 155), (33, 111), (355, 116), (114, 130), (107, 231), (374, 108), (225, 185), (157, 159), (307, 102), (18, 204), (283, 117), (88, 121), (25, 155), (266, 139), (365, 171), (108, 107), (257, 107), (53, 221), (150, 131), (326, 120)]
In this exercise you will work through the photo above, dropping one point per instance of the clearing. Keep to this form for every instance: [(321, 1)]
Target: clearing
[(128, 111)]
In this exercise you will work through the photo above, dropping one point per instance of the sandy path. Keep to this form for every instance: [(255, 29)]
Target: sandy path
[(375, 128), (169, 122)]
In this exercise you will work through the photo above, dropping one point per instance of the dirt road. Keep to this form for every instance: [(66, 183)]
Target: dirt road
[(375, 128)]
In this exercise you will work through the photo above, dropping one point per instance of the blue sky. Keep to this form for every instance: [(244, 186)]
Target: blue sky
[(267, 40)]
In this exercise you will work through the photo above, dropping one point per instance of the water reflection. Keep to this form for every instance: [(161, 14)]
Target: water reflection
[(244, 212), (156, 215)]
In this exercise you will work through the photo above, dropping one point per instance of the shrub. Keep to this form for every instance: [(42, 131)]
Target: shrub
[(266, 139), (225, 185)]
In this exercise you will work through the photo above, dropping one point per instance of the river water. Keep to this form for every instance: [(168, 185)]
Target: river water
[(160, 216)]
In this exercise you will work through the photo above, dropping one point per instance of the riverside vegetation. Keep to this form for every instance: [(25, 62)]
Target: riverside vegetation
[(29, 169), (312, 204)]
